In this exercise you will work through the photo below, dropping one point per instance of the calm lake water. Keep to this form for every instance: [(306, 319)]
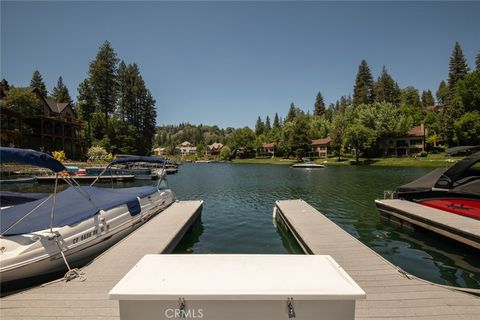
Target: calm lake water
[(239, 198)]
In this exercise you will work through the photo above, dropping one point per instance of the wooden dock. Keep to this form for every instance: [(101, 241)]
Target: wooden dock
[(453, 226), (89, 299), (391, 294), (88, 178)]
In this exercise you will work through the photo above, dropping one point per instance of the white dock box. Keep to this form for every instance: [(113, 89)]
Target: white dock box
[(214, 287)]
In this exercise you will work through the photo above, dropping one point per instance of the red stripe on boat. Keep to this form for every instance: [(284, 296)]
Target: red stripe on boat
[(465, 207)]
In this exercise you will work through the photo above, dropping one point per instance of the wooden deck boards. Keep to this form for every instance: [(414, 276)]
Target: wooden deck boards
[(89, 299), (390, 294), (454, 226)]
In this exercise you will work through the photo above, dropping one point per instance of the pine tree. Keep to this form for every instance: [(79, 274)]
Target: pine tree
[(102, 77), (291, 113), (363, 89), (276, 122), (259, 127), (319, 107), (268, 126), (458, 68), (442, 93), (86, 104), (477, 61), (427, 98), (386, 89), (122, 88), (60, 92), (37, 82)]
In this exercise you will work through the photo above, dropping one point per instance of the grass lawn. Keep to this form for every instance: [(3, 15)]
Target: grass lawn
[(432, 161)]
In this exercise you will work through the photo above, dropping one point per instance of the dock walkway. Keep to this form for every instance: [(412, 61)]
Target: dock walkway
[(453, 226), (89, 299), (390, 293)]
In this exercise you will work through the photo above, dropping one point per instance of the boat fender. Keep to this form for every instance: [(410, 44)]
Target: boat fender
[(134, 207), (104, 226)]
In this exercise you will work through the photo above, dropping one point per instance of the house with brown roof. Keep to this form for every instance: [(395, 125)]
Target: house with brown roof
[(412, 142), (268, 149), (320, 147), (54, 126), (214, 148)]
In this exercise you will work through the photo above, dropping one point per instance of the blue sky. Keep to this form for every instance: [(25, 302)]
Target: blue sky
[(226, 63)]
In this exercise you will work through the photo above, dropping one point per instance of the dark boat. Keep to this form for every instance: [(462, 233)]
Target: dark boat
[(454, 190)]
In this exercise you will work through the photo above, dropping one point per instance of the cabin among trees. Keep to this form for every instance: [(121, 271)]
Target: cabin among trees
[(42, 124), (268, 149), (214, 149), (320, 147), (413, 142)]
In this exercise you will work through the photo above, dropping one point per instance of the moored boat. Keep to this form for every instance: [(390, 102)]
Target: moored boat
[(454, 191), (68, 228), (308, 164)]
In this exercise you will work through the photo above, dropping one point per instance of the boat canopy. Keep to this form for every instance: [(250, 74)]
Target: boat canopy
[(462, 177), (459, 171), (138, 159), (31, 157), (70, 208)]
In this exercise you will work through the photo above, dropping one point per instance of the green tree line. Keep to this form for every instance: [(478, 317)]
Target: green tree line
[(378, 109)]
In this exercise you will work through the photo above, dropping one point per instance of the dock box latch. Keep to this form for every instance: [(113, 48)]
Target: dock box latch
[(181, 306), (290, 308)]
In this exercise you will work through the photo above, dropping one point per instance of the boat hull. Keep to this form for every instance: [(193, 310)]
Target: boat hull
[(465, 207), (35, 254)]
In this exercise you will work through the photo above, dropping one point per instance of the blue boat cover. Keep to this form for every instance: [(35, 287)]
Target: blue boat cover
[(31, 157), (138, 159), (70, 208)]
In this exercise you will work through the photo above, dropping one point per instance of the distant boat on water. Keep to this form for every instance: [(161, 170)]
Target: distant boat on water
[(307, 164)]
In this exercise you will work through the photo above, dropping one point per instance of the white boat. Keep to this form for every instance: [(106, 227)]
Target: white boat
[(307, 164), (67, 229)]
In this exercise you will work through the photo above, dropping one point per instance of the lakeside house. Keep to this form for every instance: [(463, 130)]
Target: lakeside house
[(187, 148), (320, 147), (412, 142), (159, 152), (52, 126), (214, 148), (268, 149)]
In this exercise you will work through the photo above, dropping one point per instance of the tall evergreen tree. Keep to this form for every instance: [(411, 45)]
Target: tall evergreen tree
[(442, 93), (386, 89), (276, 122), (427, 98), (37, 82), (363, 89), (458, 68), (102, 76), (477, 61), (291, 113), (268, 126), (259, 126), (86, 104), (411, 97), (60, 92), (319, 107), (122, 87)]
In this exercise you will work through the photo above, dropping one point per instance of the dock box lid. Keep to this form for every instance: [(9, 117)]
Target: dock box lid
[(236, 277)]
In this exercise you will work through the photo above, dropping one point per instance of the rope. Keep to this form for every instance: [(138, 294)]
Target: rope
[(71, 273)]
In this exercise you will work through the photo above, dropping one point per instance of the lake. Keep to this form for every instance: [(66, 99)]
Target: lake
[(239, 199)]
